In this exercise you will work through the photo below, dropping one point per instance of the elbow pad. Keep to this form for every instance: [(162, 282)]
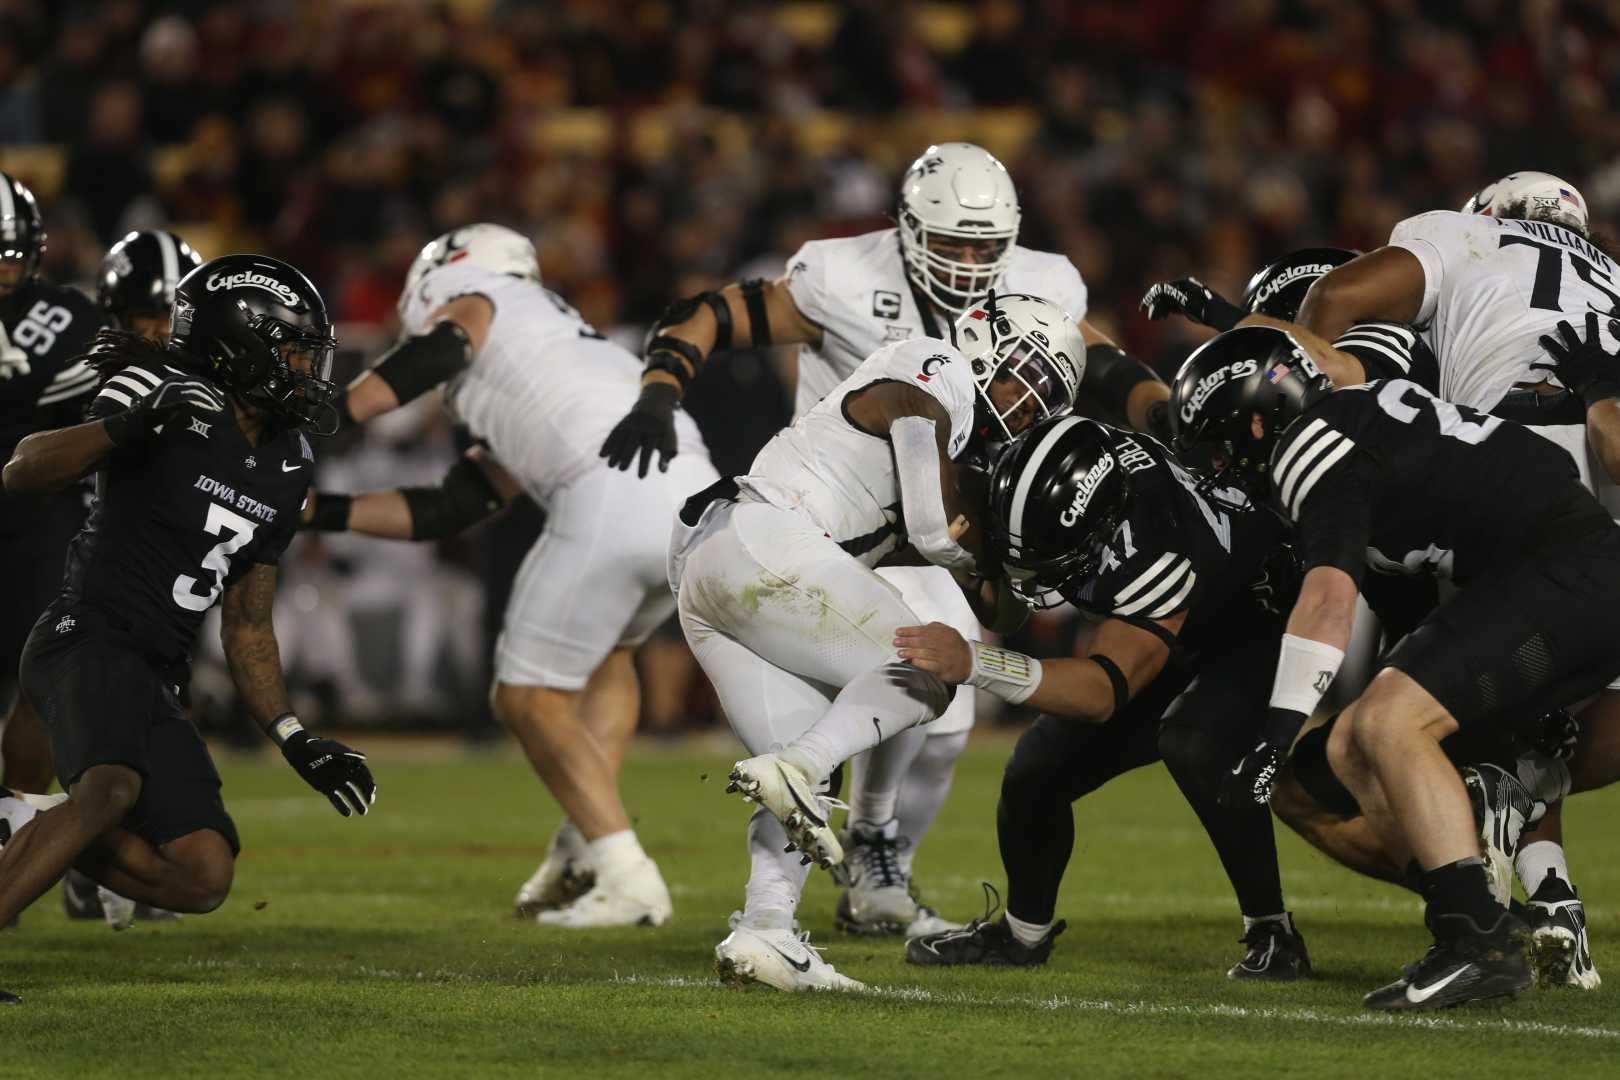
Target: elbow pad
[(463, 499), (418, 364), (1111, 374), (916, 459)]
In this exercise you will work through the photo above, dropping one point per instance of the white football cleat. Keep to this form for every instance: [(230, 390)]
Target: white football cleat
[(1560, 951), (564, 875), (780, 957), (119, 912), (878, 897), (1502, 807), (789, 795), (633, 896)]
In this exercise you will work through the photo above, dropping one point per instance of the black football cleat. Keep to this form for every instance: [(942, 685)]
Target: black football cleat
[(1464, 964), (8, 998), (1276, 952), (980, 942)]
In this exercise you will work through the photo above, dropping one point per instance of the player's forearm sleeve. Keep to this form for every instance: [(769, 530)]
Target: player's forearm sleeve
[(418, 364), (916, 458)]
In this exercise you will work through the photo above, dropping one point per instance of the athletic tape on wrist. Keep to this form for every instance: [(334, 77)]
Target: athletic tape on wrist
[(1010, 676), (285, 727), (1305, 670)]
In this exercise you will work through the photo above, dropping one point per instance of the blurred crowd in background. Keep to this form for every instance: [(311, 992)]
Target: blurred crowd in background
[(654, 147)]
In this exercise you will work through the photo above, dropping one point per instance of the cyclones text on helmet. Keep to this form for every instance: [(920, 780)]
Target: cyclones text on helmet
[(1279, 289)]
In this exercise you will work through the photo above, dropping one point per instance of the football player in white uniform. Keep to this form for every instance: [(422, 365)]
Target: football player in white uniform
[(840, 300), (540, 387), (1489, 290), (780, 601)]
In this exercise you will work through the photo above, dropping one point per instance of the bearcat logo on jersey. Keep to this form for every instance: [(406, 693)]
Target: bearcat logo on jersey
[(1088, 487), (1213, 382), (1287, 278), (931, 365), (252, 279)]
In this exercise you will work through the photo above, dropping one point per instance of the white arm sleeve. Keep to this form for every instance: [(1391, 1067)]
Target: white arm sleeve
[(916, 458)]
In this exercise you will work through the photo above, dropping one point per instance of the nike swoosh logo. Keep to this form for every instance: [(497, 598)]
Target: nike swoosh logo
[(801, 966), (813, 814), (290, 468), (1417, 997)]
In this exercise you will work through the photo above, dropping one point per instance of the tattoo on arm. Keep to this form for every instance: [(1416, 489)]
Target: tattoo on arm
[(251, 651)]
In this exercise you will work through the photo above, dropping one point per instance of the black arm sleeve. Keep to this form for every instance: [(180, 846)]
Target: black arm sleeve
[(1111, 374), (418, 364), (463, 499)]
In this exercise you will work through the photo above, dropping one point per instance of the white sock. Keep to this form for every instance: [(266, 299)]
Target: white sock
[(873, 707), (877, 775), (922, 795), (1249, 923), (569, 842), (775, 877), (615, 851), (1027, 934), (1534, 860)]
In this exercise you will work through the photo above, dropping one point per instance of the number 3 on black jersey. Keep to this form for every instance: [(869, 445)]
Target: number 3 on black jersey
[(218, 560)]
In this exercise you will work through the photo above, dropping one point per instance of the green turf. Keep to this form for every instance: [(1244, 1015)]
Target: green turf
[(386, 948)]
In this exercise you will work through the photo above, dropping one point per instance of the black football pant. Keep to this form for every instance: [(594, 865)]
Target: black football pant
[(1199, 725)]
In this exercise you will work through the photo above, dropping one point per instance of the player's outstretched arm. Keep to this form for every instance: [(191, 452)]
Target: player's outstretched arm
[(420, 362), (52, 460), (747, 314), (1125, 658), (474, 489), (1383, 285), (254, 658), (1125, 384)]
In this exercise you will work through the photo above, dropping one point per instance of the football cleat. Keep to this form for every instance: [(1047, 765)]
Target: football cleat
[(929, 921), (1464, 964), (118, 911), (79, 897), (633, 896), (789, 795), (878, 897), (780, 957), (8, 998), (981, 942), (563, 877), (1502, 808), (1276, 951), (1560, 953)]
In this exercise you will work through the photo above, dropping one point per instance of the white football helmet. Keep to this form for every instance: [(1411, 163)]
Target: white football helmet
[(959, 196), (1027, 339), (1544, 196), (491, 247)]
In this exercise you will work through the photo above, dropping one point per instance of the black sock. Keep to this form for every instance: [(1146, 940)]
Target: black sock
[(1460, 888)]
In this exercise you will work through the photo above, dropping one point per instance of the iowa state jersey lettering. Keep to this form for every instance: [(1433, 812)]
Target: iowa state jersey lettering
[(176, 521)]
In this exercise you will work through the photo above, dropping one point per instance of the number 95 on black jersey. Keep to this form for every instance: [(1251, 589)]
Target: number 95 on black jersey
[(177, 520)]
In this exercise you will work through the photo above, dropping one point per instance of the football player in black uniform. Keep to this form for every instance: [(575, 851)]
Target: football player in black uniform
[(1383, 475), (1190, 595), (135, 289), (44, 384), (202, 470)]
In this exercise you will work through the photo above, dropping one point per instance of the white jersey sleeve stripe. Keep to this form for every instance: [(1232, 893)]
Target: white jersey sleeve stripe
[(1403, 360), (1343, 448), (1296, 444), (1015, 516), (149, 377), (115, 395), (1289, 477), (1168, 607), (134, 386), (1150, 576), (72, 373), (1179, 574), (71, 390)]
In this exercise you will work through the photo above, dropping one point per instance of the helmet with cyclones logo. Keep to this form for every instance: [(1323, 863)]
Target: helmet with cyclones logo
[(1226, 382), (487, 246), (261, 329), (139, 274), (1279, 289), (22, 230), (1026, 350), (1057, 497), (1535, 196), (957, 200)]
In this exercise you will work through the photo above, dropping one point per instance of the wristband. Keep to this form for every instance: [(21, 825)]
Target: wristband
[(1010, 676), (331, 511), (1305, 669), (285, 727)]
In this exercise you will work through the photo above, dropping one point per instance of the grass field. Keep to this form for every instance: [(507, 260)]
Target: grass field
[(385, 947)]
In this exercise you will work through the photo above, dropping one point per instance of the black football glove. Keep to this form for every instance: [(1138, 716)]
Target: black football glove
[(1249, 782), (1555, 734), (1192, 298), (1582, 364), (333, 770), (162, 406), (648, 428)]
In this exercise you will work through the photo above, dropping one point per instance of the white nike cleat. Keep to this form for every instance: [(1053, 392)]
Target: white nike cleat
[(633, 896), (119, 912), (1502, 808), (564, 875), (780, 957), (1560, 952), (789, 795)]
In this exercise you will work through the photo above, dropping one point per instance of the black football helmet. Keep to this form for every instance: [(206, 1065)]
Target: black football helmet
[(245, 317), (139, 273), (1279, 289), (1057, 496), (1230, 378), (22, 230)]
